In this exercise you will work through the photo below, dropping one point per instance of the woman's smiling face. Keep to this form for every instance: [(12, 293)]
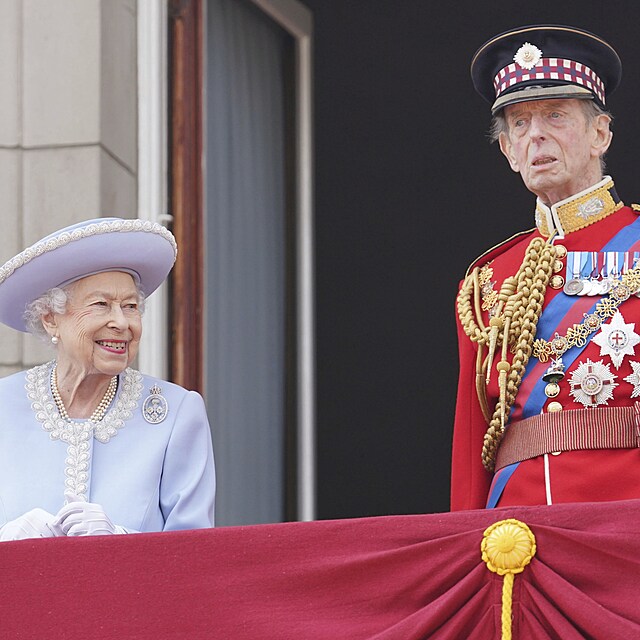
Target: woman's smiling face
[(101, 328)]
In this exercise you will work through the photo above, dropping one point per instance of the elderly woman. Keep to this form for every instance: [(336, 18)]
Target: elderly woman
[(89, 445)]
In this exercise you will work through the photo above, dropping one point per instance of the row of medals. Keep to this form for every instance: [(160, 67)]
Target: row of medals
[(595, 283), (579, 285)]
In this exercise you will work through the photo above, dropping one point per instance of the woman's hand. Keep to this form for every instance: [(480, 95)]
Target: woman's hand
[(78, 518), (33, 524)]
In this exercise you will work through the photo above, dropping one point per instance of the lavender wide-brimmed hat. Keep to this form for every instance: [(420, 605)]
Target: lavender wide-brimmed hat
[(142, 248)]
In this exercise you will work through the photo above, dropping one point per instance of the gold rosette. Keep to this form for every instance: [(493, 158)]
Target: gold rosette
[(507, 548)]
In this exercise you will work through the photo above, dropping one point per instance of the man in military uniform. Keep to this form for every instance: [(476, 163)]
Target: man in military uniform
[(549, 392)]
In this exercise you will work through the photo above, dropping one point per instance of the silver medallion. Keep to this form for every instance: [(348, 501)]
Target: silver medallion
[(604, 286), (586, 288), (575, 282), (573, 287), (155, 406), (594, 287)]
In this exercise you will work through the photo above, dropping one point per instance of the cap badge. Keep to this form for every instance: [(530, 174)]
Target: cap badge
[(528, 56)]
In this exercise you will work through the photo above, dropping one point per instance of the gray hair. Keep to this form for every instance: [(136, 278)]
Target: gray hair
[(55, 301), (590, 108)]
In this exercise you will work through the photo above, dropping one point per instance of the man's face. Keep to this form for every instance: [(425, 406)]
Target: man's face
[(554, 146)]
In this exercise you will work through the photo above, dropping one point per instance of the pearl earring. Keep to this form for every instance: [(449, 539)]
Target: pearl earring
[(55, 339)]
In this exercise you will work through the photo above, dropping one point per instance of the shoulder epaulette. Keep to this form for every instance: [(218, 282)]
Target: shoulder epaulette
[(491, 253)]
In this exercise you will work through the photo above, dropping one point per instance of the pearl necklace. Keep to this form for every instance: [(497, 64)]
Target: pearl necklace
[(100, 410)]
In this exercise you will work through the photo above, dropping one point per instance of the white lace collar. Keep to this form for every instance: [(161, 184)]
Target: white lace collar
[(39, 392)]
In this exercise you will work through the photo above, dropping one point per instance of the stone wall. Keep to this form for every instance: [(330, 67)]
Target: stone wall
[(68, 127)]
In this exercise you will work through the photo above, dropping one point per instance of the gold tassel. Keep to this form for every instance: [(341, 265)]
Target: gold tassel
[(481, 388), (496, 325), (503, 367)]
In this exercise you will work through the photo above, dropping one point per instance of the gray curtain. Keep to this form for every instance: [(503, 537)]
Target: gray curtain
[(245, 260)]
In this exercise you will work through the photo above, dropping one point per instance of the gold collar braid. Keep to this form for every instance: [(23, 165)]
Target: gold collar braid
[(578, 211)]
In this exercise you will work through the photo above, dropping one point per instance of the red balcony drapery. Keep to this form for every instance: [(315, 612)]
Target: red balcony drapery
[(384, 578)]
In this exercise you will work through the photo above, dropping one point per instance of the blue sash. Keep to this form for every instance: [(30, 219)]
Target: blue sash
[(552, 314)]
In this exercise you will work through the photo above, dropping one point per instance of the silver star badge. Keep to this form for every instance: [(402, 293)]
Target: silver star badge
[(617, 339), (592, 383), (634, 378)]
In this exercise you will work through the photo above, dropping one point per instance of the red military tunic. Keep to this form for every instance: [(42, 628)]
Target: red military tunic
[(611, 234)]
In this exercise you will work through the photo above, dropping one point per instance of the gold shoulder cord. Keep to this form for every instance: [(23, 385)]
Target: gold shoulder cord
[(514, 325)]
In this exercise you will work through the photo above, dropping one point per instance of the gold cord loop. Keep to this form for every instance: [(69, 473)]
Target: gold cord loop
[(514, 324)]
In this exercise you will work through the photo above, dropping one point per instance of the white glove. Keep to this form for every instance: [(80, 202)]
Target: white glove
[(84, 519), (33, 524)]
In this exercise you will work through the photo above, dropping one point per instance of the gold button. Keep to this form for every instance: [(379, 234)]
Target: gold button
[(556, 453), (557, 266), (554, 407), (561, 250), (556, 282), (552, 390)]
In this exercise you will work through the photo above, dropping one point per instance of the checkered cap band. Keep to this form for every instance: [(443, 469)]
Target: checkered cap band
[(549, 69)]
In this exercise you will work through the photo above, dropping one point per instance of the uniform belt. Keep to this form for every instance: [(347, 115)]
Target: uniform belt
[(596, 428)]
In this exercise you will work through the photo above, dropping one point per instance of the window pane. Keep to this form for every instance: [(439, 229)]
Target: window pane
[(246, 259)]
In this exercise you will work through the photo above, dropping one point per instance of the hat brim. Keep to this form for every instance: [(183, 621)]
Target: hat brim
[(144, 249), (528, 94)]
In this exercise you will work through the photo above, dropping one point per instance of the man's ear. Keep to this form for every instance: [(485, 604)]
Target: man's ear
[(507, 149), (602, 135)]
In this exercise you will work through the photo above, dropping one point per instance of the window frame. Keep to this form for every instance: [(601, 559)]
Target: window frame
[(186, 189)]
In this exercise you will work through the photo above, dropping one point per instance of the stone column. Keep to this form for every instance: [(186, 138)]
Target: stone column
[(68, 126)]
